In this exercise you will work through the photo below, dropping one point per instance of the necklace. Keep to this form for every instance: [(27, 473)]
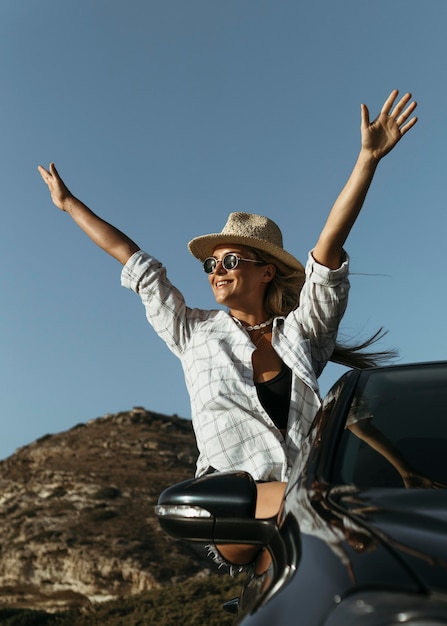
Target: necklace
[(259, 326)]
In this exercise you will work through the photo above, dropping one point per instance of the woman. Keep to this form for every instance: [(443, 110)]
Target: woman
[(252, 371)]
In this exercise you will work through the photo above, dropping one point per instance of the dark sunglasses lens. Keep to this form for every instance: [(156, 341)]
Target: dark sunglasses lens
[(209, 265), (229, 261)]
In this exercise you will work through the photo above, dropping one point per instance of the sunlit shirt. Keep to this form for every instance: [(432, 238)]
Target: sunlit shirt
[(232, 429)]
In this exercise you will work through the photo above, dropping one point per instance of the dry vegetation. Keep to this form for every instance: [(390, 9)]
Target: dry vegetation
[(77, 526), (191, 603)]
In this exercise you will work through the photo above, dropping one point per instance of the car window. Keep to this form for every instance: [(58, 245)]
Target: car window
[(396, 429)]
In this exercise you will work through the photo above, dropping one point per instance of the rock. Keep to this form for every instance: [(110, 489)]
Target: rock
[(76, 512)]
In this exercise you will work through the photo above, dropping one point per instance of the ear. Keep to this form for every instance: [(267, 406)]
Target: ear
[(269, 273)]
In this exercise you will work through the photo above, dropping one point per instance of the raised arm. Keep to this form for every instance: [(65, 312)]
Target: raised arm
[(378, 138), (106, 236)]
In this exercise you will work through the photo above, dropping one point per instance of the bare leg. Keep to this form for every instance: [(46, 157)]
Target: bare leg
[(269, 499)]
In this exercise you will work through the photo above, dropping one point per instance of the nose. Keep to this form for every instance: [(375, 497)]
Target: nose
[(219, 267)]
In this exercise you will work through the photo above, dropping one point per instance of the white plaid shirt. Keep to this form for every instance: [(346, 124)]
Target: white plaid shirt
[(232, 429)]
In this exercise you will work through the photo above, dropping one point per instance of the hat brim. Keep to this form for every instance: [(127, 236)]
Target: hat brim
[(203, 247)]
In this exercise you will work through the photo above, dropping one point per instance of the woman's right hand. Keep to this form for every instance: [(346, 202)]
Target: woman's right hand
[(106, 236), (58, 190)]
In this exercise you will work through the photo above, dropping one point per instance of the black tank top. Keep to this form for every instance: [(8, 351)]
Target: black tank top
[(274, 395)]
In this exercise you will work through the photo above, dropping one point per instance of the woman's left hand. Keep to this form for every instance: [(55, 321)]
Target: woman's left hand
[(380, 136), (413, 480)]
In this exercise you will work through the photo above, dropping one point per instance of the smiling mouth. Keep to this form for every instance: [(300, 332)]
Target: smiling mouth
[(222, 283)]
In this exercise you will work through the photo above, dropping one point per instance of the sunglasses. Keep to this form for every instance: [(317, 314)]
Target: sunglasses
[(229, 262)]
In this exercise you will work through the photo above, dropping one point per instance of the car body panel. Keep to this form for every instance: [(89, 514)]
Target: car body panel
[(413, 523), (362, 531)]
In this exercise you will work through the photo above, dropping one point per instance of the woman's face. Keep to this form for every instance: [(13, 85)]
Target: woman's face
[(243, 288)]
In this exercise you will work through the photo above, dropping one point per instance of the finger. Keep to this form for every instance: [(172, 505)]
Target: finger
[(406, 127), (365, 115), (46, 176), (404, 115), (389, 102), (53, 170), (400, 106), (42, 170)]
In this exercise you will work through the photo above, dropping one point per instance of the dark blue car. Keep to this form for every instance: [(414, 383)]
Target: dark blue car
[(363, 528)]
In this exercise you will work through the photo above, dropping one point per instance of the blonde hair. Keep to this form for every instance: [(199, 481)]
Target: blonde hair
[(283, 292), (282, 296)]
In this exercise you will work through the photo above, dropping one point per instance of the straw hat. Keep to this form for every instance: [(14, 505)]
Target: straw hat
[(246, 229)]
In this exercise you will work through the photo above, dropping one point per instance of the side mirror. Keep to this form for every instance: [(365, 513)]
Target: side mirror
[(215, 508)]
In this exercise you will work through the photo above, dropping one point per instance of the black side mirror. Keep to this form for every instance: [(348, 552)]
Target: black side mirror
[(215, 508)]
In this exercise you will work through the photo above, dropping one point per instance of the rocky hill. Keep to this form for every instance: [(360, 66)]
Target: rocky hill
[(76, 512)]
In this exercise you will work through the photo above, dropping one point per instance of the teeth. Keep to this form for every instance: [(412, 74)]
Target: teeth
[(222, 282)]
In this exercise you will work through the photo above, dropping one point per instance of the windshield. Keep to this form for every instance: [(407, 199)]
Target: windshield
[(396, 429)]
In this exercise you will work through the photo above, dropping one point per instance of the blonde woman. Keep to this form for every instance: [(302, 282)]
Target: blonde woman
[(251, 370)]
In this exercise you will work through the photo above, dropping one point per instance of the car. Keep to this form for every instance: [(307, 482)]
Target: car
[(362, 531)]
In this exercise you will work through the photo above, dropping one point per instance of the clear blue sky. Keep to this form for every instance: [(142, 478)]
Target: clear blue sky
[(166, 115)]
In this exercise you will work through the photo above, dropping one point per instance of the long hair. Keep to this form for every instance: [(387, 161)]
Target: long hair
[(283, 296)]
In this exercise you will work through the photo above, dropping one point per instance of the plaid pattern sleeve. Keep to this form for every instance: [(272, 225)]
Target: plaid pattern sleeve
[(323, 302), (165, 307)]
